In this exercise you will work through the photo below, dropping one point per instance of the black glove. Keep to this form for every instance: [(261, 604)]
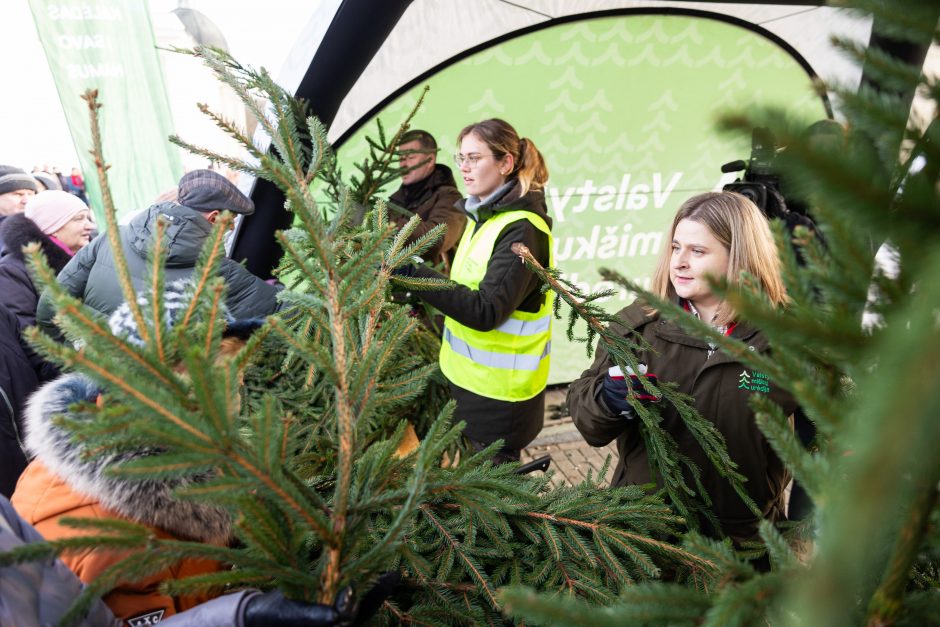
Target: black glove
[(617, 388), (372, 600), (273, 609), (405, 270), (615, 396)]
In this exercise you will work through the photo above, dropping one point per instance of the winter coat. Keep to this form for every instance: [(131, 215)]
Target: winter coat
[(41, 592), (92, 277), (3, 249), (721, 387), (433, 199), (21, 371), (60, 482), (507, 286), (17, 290)]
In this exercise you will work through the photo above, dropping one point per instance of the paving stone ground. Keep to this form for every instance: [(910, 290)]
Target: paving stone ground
[(572, 457)]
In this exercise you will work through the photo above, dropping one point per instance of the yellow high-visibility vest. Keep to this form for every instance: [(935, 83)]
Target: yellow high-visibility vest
[(509, 363)]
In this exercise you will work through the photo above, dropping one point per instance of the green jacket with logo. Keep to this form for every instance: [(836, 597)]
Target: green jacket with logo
[(721, 387)]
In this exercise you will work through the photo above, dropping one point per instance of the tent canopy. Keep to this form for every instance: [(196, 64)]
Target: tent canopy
[(620, 96)]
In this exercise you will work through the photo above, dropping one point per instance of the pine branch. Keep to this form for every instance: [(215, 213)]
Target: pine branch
[(110, 215), (156, 259), (887, 602)]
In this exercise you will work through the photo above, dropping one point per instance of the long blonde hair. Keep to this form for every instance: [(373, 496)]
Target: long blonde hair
[(500, 137), (743, 230)]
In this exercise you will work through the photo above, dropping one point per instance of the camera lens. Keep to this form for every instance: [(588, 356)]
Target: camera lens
[(749, 193)]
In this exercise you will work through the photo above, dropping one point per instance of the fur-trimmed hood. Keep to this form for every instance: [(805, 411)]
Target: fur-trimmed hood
[(149, 501), (18, 231)]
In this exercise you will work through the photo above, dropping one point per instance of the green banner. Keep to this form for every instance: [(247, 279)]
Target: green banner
[(108, 45), (623, 108)]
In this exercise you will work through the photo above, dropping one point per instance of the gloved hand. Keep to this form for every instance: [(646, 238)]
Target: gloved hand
[(273, 609), (617, 388), (406, 270)]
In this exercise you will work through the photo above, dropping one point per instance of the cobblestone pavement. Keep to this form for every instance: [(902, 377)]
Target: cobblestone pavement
[(572, 457)]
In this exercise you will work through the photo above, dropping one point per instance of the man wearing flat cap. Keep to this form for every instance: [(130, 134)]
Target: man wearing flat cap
[(16, 187), (203, 196)]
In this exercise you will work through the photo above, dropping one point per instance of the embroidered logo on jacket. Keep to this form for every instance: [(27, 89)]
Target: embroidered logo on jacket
[(754, 381), (143, 620)]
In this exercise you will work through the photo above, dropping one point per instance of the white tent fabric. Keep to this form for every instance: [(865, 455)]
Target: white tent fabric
[(633, 151), (432, 31)]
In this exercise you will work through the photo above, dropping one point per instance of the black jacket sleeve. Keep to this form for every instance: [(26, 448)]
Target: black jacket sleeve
[(507, 286), (19, 294)]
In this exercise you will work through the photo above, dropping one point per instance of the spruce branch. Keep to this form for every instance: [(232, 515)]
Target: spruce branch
[(388, 151), (156, 259), (79, 321), (231, 129), (207, 265), (110, 214), (887, 602)]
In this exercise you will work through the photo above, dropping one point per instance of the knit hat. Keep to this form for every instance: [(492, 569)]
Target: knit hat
[(205, 190), (12, 179), (52, 209), (176, 298), (49, 181)]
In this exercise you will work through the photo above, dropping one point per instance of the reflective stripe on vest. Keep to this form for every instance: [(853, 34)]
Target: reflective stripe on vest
[(524, 327), (510, 362)]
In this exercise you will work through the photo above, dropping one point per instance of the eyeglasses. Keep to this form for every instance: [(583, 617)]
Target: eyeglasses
[(471, 160)]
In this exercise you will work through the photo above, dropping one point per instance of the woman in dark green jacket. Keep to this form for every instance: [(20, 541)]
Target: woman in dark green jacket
[(718, 235)]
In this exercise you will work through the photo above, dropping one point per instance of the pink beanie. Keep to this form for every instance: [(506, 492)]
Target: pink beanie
[(52, 209)]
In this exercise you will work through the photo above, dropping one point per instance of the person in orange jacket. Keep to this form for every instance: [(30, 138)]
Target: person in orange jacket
[(41, 592), (63, 481)]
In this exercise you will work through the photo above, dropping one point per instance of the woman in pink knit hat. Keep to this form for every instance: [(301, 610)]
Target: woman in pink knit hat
[(62, 224)]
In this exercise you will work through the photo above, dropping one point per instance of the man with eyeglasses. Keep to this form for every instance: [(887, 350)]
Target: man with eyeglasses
[(428, 190)]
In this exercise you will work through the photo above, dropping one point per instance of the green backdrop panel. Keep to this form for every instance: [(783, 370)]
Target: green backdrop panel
[(623, 109)]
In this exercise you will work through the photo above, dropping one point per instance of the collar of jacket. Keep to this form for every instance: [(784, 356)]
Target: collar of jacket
[(412, 196), (512, 200), (186, 231), (148, 501), (18, 230), (671, 331)]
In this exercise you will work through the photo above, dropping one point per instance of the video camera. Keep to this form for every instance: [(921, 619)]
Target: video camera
[(761, 182)]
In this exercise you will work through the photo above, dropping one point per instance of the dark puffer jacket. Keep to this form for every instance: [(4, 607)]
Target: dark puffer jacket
[(92, 277), (17, 290), (721, 387), (18, 379), (63, 481)]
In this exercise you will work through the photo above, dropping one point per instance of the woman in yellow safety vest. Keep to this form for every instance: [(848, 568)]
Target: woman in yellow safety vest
[(497, 330)]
